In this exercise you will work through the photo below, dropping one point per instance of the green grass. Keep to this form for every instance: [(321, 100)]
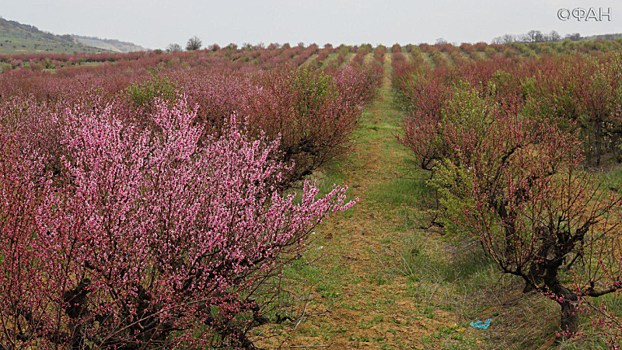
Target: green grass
[(612, 178)]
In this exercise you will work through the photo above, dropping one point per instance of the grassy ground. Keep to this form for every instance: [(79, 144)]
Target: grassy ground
[(377, 280)]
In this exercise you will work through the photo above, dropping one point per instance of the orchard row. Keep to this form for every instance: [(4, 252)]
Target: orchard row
[(517, 148), (155, 200), (268, 57)]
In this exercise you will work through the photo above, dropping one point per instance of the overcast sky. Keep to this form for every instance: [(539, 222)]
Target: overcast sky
[(156, 23)]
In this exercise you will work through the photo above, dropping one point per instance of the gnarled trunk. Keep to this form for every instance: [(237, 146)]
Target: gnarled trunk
[(569, 319), (566, 298)]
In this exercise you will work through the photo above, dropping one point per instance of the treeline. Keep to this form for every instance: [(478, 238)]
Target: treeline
[(535, 36)]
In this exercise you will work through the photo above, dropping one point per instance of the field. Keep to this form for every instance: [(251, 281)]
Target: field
[(298, 197)]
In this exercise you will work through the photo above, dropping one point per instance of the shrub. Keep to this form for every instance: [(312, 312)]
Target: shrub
[(143, 95), (147, 237), (313, 115), (515, 185)]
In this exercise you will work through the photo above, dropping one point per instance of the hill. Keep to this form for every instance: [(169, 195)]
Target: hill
[(108, 44), (16, 38), (606, 36)]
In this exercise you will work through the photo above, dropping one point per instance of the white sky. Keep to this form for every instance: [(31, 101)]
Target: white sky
[(156, 23)]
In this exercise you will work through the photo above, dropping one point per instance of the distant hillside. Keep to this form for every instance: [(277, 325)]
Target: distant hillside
[(108, 44), (16, 38), (606, 36)]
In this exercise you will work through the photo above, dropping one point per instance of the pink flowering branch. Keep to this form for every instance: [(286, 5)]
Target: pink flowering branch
[(149, 235)]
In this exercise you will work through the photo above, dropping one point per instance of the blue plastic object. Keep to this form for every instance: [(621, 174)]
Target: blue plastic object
[(481, 325)]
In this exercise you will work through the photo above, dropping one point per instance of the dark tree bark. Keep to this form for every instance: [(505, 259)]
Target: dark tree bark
[(567, 299), (569, 319)]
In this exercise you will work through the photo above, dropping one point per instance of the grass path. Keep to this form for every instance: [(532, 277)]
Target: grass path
[(357, 295)]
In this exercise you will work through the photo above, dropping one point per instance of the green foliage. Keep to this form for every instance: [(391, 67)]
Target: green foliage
[(314, 91), (48, 64), (405, 85), (454, 185), (467, 109), (144, 94), (465, 115), (501, 81)]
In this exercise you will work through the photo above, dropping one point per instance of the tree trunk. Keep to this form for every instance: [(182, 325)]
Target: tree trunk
[(566, 298), (569, 319)]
